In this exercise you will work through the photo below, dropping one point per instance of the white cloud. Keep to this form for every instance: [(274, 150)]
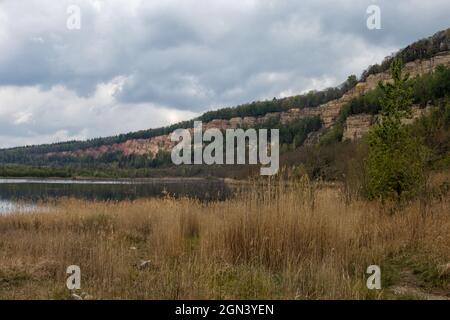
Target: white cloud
[(23, 117), (59, 114)]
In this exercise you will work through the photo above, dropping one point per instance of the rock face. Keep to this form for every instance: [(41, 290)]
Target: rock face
[(358, 125), (414, 68), (355, 126), (129, 147)]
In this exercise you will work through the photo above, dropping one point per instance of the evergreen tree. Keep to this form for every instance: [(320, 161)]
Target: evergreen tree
[(396, 159)]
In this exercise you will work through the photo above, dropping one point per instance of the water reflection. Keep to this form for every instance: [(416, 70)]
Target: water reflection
[(15, 191)]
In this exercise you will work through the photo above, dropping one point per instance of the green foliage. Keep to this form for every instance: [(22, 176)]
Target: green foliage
[(20, 171), (336, 133), (430, 88), (434, 129), (351, 82), (397, 97), (368, 102), (396, 160), (293, 134)]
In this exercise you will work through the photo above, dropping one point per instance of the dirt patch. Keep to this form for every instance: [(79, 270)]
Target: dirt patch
[(411, 285)]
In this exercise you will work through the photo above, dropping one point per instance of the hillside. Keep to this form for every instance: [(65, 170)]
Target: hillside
[(345, 113)]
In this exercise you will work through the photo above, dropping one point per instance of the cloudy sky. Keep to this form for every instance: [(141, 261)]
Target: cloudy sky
[(140, 64)]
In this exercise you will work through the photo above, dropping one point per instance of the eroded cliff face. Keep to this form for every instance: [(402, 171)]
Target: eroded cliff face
[(414, 68), (129, 147), (355, 126), (358, 125), (328, 113)]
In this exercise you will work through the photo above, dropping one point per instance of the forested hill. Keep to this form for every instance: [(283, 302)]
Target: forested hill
[(422, 49), (309, 100)]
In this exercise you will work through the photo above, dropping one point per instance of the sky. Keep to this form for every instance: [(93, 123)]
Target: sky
[(131, 65)]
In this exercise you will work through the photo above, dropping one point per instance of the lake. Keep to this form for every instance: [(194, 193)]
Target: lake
[(22, 194)]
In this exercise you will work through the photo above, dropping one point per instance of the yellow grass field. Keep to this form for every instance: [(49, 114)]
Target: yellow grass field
[(298, 242)]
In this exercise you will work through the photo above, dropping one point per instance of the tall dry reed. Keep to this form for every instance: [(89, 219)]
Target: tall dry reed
[(295, 240)]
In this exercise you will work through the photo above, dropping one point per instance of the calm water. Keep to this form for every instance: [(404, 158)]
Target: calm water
[(21, 194)]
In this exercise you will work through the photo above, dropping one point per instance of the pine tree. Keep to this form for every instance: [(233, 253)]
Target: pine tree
[(395, 163)]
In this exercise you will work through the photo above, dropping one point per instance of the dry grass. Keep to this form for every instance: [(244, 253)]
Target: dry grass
[(296, 242)]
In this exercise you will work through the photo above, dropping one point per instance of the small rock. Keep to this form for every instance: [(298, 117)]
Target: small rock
[(133, 248), (86, 296), (76, 297), (145, 264)]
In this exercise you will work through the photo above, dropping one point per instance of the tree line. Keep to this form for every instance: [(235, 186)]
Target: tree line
[(422, 49)]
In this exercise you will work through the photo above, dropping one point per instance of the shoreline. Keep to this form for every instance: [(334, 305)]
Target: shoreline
[(110, 180)]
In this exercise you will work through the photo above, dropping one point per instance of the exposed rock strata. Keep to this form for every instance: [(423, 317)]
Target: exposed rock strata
[(355, 127)]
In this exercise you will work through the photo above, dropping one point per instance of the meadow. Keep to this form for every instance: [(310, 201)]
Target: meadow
[(302, 240)]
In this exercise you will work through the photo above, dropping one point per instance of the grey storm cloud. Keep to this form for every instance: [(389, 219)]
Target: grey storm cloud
[(173, 59)]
